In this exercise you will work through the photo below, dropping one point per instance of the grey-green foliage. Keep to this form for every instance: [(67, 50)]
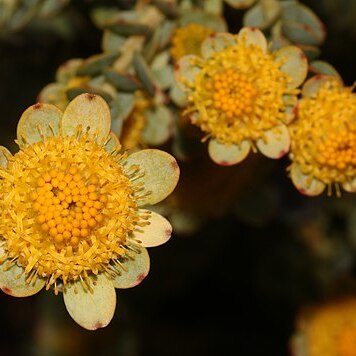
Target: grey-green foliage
[(288, 22), (15, 14)]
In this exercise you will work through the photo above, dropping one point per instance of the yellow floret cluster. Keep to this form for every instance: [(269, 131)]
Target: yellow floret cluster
[(67, 209), (238, 93), (68, 205), (323, 139)]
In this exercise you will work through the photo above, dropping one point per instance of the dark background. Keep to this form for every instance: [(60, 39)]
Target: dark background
[(233, 288)]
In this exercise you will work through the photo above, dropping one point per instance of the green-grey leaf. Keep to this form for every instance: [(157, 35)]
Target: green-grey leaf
[(144, 74), (262, 16), (95, 64), (122, 106), (122, 82), (322, 67), (300, 24), (112, 42), (159, 126), (123, 28)]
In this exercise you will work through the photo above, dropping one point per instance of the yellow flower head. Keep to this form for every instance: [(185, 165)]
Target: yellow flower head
[(69, 209), (241, 95), (324, 137), (329, 330), (188, 40)]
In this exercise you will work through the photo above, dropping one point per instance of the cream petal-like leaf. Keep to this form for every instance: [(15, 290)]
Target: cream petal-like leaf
[(91, 309), (294, 64), (312, 85), (276, 143), (113, 144), (350, 186), (305, 184), (216, 43), (160, 174), (185, 71), (39, 119), (253, 36), (228, 155), (156, 233), (178, 96), (4, 155), (159, 125), (136, 270), (91, 112), (13, 281), (53, 93), (291, 108)]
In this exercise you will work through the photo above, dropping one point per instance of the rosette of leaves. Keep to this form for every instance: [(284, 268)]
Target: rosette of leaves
[(16, 14), (288, 22)]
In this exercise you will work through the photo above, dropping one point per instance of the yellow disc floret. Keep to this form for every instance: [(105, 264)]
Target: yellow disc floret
[(188, 39), (324, 136), (66, 209), (238, 93), (233, 93)]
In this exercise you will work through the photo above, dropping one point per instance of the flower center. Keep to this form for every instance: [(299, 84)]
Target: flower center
[(233, 92), (338, 150), (67, 209), (238, 93), (323, 139), (188, 39), (68, 205)]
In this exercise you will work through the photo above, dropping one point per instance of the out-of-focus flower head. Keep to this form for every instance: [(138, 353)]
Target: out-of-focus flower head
[(324, 137), (328, 330)]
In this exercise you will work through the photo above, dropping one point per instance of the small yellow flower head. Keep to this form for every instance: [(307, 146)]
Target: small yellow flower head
[(329, 330), (188, 39), (241, 95), (69, 209), (323, 150)]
